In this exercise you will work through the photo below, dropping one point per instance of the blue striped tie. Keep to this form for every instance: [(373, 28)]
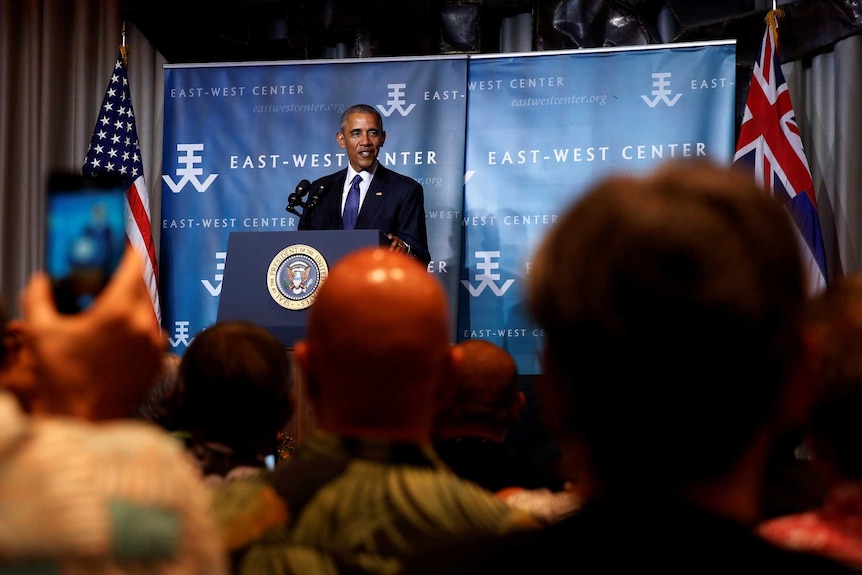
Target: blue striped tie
[(351, 204)]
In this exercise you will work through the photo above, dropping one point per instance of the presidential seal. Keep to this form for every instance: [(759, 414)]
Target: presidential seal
[(294, 276)]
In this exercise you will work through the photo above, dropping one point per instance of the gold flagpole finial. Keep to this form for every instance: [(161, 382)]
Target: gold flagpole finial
[(772, 21)]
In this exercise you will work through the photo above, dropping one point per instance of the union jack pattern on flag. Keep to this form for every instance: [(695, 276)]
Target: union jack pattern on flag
[(770, 146), (114, 150)]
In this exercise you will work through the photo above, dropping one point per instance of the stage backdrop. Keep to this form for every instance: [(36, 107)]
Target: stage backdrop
[(239, 137), (541, 127), (535, 130)]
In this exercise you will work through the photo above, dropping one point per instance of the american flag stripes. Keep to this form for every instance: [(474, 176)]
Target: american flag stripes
[(114, 149)]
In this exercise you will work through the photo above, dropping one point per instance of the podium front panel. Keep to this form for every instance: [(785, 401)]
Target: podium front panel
[(266, 273)]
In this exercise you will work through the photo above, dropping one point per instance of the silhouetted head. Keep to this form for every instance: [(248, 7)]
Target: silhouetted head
[(484, 399), (671, 307), (236, 383), (833, 422)]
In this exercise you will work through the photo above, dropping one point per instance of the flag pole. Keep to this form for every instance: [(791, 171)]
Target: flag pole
[(772, 21), (124, 50)]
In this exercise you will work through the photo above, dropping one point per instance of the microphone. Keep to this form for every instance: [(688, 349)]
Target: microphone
[(295, 199), (314, 199), (302, 188)]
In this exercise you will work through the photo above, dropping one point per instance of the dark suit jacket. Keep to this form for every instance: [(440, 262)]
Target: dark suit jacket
[(628, 533), (394, 204)]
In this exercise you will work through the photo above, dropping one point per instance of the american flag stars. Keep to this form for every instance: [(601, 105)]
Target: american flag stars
[(114, 147)]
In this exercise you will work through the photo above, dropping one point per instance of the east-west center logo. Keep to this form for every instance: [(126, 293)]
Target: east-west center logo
[(188, 156)]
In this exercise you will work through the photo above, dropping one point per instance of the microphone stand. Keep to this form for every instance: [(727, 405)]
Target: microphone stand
[(295, 199)]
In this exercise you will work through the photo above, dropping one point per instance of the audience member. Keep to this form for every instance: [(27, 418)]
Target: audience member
[(100, 496), (471, 433), (366, 491), (792, 483), (160, 405), (671, 306), (833, 432), (236, 397), (71, 352), (19, 369)]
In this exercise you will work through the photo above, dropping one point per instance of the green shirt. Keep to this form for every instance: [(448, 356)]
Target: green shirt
[(368, 506)]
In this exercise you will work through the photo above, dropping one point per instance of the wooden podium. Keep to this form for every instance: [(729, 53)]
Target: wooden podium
[(302, 422), (271, 279)]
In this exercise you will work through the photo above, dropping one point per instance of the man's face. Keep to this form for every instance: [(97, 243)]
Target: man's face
[(362, 137)]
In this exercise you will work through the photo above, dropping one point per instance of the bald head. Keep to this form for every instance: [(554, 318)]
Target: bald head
[(486, 360), (377, 346), (485, 399)]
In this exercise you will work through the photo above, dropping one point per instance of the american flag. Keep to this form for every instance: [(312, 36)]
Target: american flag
[(114, 150), (770, 146)]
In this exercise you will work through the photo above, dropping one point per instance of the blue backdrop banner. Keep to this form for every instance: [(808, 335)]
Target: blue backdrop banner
[(238, 138), (542, 127), (501, 145)]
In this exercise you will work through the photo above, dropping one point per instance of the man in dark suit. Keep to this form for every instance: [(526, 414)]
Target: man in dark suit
[(387, 200)]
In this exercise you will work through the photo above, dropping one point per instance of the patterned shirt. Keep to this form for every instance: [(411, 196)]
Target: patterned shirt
[(368, 506), (99, 499), (834, 530)]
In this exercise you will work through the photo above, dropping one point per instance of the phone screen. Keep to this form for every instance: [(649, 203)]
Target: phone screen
[(86, 237)]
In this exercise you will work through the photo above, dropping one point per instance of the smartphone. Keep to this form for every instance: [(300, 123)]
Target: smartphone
[(85, 236)]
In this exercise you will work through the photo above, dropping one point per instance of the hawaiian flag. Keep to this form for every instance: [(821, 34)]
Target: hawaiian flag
[(114, 150), (770, 147)]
